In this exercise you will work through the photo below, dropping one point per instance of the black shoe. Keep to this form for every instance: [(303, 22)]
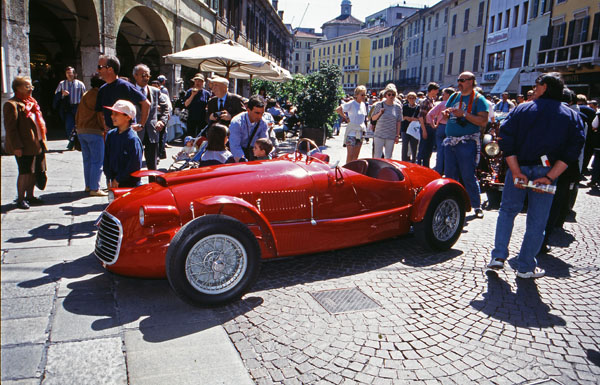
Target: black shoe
[(33, 201), (479, 213), (23, 204)]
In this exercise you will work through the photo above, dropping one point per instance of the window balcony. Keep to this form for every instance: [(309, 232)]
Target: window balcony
[(355, 67), (570, 55)]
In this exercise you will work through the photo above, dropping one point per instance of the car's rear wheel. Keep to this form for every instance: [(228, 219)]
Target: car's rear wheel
[(443, 222), (213, 260)]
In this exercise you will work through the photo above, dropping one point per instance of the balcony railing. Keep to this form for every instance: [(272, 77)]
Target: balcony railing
[(349, 86), (355, 67), (570, 55)]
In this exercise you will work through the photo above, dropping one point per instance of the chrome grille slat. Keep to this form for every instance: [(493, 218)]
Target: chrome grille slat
[(108, 239)]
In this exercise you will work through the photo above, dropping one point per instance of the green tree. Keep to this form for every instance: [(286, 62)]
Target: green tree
[(320, 96)]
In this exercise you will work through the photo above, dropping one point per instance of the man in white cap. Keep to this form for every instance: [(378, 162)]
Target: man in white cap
[(123, 148), (224, 105)]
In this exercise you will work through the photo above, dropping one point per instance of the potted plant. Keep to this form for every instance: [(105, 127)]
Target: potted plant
[(318, 101)]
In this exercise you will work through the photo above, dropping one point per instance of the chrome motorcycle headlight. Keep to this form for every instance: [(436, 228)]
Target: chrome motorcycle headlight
[(487, 138), (492, 149)]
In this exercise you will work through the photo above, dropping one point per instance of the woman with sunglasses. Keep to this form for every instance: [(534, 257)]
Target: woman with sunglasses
[(388, 115), (354, 113)]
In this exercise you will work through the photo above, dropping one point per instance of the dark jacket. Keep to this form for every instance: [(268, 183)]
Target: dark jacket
[(542, 127), (21, 132), (122, 156), (233, 104)]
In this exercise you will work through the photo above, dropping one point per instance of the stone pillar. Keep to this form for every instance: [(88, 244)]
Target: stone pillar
[(89, 63), (15, 47)]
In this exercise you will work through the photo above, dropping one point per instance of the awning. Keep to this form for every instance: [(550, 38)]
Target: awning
[(504, 81)]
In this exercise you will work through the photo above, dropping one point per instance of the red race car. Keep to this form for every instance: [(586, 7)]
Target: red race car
[(208, 229)]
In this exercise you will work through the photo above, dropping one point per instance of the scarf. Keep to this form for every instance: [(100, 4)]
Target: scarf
[(32, 110)]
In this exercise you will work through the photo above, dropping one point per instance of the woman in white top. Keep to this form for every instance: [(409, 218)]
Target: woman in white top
[(354, 113)]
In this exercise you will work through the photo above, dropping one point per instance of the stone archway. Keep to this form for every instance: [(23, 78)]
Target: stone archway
[(142, 38), (192, 41), (62, 33)]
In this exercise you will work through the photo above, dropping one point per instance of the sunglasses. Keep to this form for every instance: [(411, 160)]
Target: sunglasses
[(463, 80), (102, 66), (390, 94)]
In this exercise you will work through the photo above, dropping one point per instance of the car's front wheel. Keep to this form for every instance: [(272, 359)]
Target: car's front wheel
[(212, 260), (443, 222)]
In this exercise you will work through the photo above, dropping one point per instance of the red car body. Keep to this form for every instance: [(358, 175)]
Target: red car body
[(293, 205)]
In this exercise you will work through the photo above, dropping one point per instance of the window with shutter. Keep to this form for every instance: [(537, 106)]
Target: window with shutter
[(596, 27)]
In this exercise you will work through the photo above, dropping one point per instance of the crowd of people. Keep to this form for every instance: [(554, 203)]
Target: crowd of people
[(548, 136)]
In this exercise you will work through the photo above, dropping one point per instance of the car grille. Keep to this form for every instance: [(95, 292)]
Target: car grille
[(108, 239)]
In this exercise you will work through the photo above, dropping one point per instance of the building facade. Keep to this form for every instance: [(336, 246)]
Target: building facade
[(572, 45), (435, 21), (351, 52), (382, 58), (409, 36), (466, 39), (506, 43), (303, 41), (390, 16)]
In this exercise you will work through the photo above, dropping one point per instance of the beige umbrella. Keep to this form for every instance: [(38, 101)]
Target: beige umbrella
[(229, 58)]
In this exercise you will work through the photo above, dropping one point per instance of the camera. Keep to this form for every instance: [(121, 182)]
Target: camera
[(461, 121), (218, 114)]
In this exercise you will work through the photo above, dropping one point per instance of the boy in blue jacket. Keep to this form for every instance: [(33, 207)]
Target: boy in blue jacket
[(123, 148)]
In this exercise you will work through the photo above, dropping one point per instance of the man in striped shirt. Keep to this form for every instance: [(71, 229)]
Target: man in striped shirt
[(66, 99)]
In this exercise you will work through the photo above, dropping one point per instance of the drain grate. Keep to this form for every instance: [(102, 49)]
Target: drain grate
[(344, 300)]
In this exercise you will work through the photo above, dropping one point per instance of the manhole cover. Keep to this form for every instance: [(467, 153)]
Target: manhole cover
[(344, 300)]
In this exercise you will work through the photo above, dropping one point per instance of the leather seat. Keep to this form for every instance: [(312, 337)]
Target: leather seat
[(360, 166), (388, 174)]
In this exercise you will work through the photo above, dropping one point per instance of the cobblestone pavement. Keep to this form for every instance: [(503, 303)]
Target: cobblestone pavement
[(434, 317), (439, 319)]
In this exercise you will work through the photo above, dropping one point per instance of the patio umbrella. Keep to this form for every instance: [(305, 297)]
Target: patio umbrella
[(226, 57)]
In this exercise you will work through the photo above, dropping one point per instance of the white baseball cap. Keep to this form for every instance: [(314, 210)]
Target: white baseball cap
[(124, 107)]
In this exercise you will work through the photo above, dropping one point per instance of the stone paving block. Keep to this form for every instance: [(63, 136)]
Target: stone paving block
[(98, 361), (27, 381), (59, 253), (184, 360), (26, 307), (84, 317), (24, 331), (21, 362)]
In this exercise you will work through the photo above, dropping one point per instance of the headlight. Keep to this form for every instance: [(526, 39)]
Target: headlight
[(142, 215), (111, 196), (487, 138), (492, 149)]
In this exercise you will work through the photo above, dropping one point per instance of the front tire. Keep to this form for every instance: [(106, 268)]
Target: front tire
[(443, 222), (212, 260)]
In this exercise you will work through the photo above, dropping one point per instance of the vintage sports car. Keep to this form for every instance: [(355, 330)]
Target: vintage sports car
[(208, 229)]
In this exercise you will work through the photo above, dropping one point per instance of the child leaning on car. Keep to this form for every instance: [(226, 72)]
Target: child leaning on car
[(123, 148)]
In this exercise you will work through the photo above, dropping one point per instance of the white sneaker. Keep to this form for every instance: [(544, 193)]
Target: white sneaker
[(536, 273), (496, 264)]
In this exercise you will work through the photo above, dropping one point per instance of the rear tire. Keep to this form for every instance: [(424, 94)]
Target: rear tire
[(443, 222), (213, 260)]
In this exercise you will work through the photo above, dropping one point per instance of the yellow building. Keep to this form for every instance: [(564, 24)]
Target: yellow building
[(382, 58), (466, 39), (573, 45), (351, 52)]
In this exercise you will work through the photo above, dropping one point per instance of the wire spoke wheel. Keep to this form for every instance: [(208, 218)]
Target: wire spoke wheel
[(446, 219), (215, 264)]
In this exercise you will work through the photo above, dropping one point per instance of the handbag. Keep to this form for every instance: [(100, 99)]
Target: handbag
[(40, 168), (248, 150), (414, 129)]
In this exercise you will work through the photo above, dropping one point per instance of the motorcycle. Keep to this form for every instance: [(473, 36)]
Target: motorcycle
[(492, 167)]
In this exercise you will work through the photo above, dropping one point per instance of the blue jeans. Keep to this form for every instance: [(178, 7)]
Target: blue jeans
[(440, 135), (426, 147), (68, 117), (459, 163), (92, 151), (538, 209)]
